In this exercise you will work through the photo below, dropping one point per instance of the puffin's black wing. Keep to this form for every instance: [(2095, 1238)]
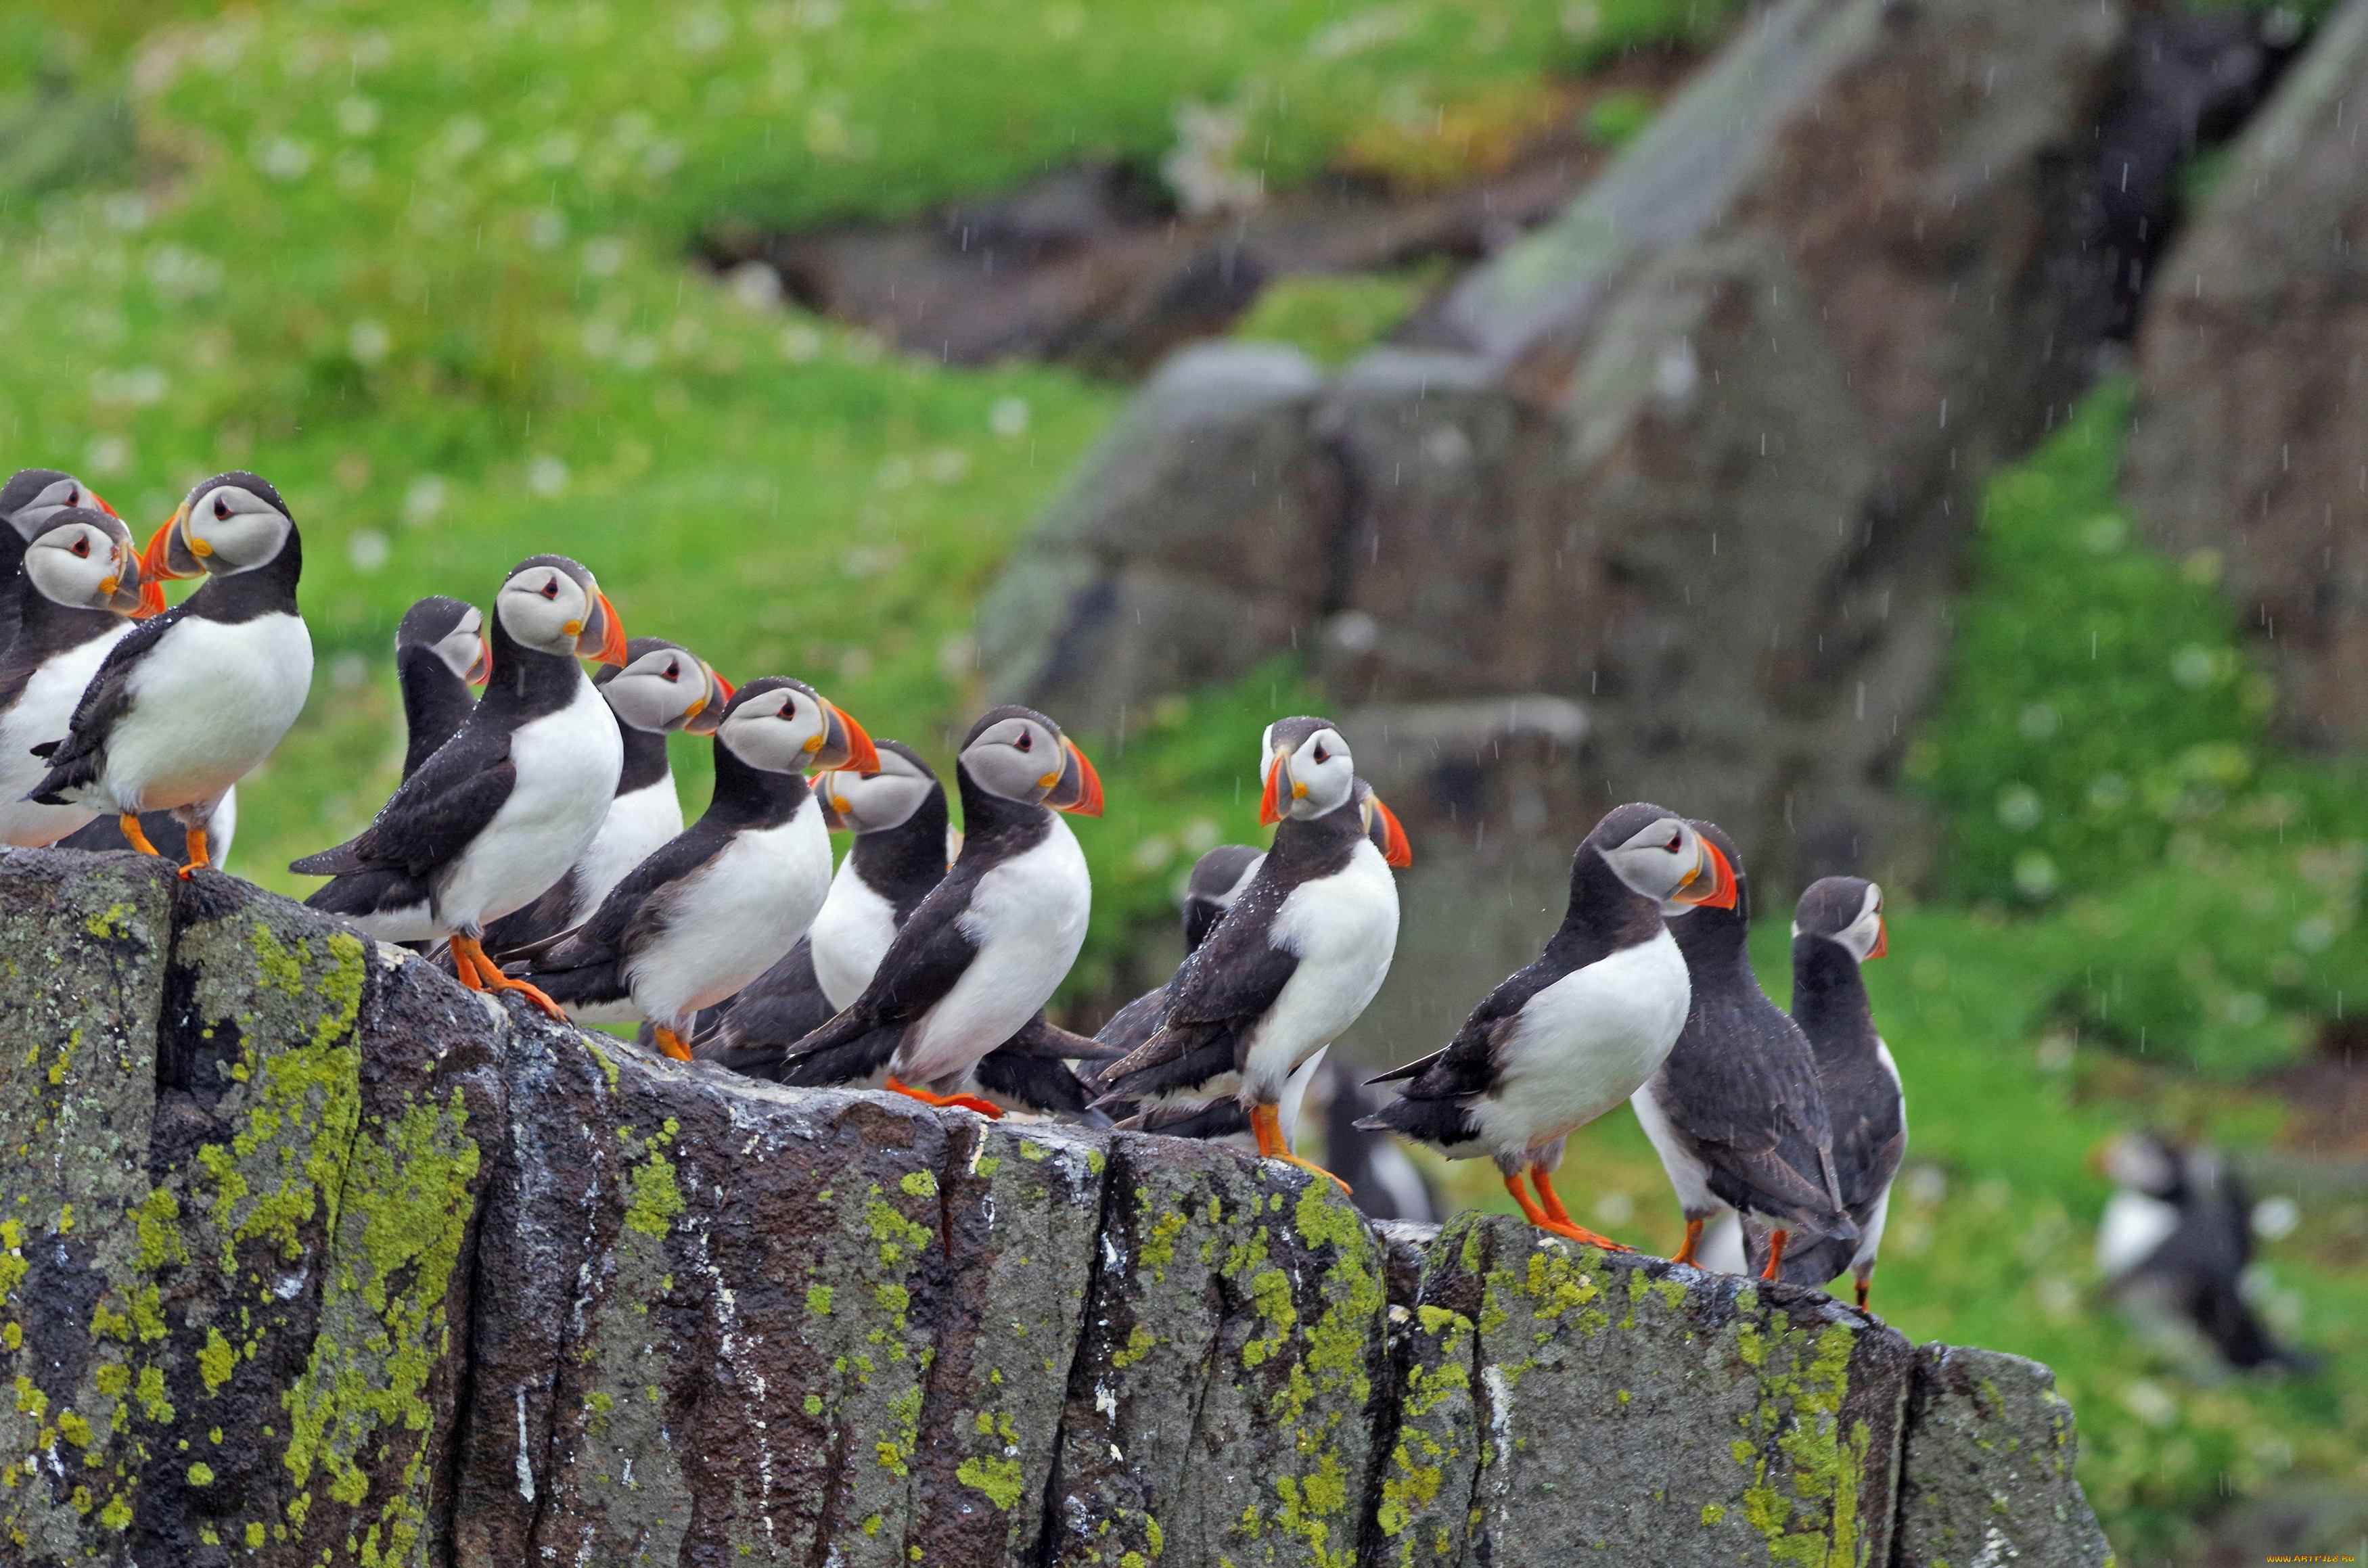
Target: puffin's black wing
[(1135, 1023), (78, 758), (778, 1007), (1757, 1122), (1431, 1105), (1220, 991), (433, 814), (929, 954), (588, 964)]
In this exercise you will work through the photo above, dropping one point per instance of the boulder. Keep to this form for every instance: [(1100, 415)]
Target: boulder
[(314, 1257), (2245, 455), (1698, 456)]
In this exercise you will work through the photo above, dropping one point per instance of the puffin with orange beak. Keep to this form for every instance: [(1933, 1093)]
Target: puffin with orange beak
[(1566, 1039), (1836, 928), (1298, 956), (726, 899), (81, 582), (504, 807), (977, 958), (439, 653), (1735, 1112), (30, 499), (662, 687), (193, 699)]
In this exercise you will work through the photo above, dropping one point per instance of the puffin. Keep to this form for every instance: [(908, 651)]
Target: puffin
[(439, 653), (1837, 927), (1567, 1037), (1300, 955), (501, 809), (898, 815), (28, 501), (721, 902), (660, 688), (2175, 1243), (82, 581), (1734, 1112), (193, 699), (984, 951), (1217, 881)]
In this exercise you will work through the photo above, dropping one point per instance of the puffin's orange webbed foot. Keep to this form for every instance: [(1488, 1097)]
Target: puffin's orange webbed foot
[(1266, 1125), (1776, 1240), (986, 1108), (200, 857), (670, 1043), (1559, 1218), (468, 955), (136, 835), (1692, 1245)]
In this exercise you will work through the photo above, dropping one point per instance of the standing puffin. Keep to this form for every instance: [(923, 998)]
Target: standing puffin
[(29, 503), (502, 809), (1218, 881), (81, 582), (660, 688), (1837, 927), (1299, 955), (898, 815), (1564, 1040), (720, 903), (1734, 1112), (439, 653), (192, 701), (985, 949)]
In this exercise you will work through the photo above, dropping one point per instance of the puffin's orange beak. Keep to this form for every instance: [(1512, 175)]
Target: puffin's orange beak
[(855, 749), (1714, 892), (1080, 788), (1882, 939), (100, 502), (1395, 851), (612, 633), (481, 668), (1270, 803), (156, 560)]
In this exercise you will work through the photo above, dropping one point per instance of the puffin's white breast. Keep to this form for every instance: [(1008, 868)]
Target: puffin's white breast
[(2133, 1226), (1586, 1042), (1344, 928), (734, 918), (1028, 917), (636, 825), (209, 703), (850, 935), (40, 714), (567, 765)]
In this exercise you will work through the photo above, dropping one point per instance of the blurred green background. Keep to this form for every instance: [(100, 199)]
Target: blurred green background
[(428, 267)]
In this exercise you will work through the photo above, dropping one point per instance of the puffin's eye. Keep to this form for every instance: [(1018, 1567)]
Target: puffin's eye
[(1677, 842), (788, 708), (222, 509), (673, 671), (1322, 756), (1025, 741), (550, 589), (81, 547)]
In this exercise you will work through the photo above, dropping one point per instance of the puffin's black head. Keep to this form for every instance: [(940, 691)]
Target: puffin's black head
[(452, 631), (83, 559), (1308, 771), (885, 798), (233, 522), (553, 605), (1020, 755), (1218, 879), (1382, 828), (1662, 855), (662, 686), (1843, 910), (34, 495), (782, 725)]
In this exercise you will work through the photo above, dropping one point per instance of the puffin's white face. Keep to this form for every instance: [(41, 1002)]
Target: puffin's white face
[(82, 565), (463, 649), (666, 689), (32, 518), (1025, 759), (1668, 862), (1863, 936), (785, 726), (228, 529), (2140, 1160), (546, 609), (1314, 779), (873, 803)]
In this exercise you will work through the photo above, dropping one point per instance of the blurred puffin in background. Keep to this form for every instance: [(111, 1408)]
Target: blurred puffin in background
[(2174, 1245), (439, 653)]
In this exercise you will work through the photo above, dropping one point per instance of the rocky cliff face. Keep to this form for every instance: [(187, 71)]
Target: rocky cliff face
[(311, 1256), (2245, 455)]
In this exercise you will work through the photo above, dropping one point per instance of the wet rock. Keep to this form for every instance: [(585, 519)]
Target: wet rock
[(316, 1256), (2244, 456), (1986, 1474)]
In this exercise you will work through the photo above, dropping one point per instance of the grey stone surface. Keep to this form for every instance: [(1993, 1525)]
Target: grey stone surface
[(1987, 1473), (2252, 393), (315, 1258)]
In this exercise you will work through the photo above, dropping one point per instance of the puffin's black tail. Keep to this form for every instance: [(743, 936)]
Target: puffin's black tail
[(1219, 1118), (1177, 1060), (362, 893), (588, 984), (1444, 1124), (1036, 1082), (850, 1046)]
